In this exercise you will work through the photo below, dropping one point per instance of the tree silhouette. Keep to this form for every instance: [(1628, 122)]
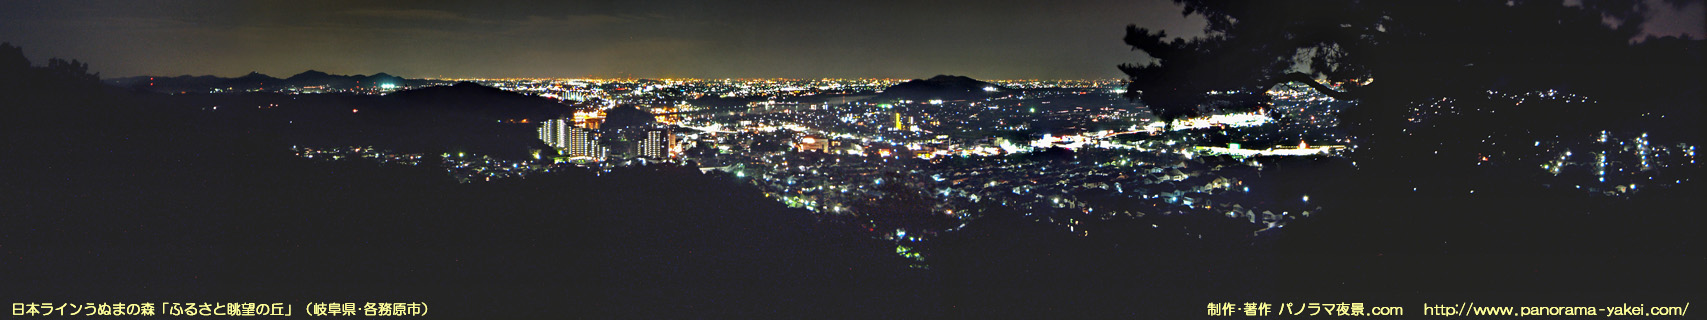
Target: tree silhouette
[(1414, 190), (1386, 53), (73, 70), (12, 60)]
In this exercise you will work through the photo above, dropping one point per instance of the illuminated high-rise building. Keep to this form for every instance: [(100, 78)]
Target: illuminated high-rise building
[(656, 144), (583, 142), (555, 133)]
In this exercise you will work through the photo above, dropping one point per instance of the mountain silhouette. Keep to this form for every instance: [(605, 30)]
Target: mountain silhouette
[(317, 78), (258, 81), (311, 76), (256, 77), (382, 78), (253, 80), (943, 87)]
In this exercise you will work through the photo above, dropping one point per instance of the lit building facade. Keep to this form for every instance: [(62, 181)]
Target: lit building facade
[(555, 133), (811, 143), (583, 142), (656, 144)]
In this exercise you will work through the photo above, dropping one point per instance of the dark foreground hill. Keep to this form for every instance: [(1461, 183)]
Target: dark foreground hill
[(476, 100), (465, 117)]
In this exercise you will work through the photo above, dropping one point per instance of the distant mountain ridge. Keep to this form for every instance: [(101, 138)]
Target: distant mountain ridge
[(259, 81), (256, 77)]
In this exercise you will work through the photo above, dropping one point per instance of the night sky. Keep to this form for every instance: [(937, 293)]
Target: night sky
[(676, 38)]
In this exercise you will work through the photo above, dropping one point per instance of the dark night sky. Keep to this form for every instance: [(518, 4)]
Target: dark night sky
[(674, 38)]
